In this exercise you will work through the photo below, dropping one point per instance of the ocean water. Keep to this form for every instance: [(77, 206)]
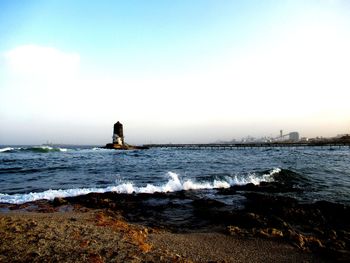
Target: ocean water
[(30, 173)]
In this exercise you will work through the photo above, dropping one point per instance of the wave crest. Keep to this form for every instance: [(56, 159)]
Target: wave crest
[(37, 149), (45, 149), (6, 149), (256, 179), (174, 184)]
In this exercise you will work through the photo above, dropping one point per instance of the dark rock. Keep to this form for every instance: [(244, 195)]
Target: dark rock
[(116, 146), (207, 203), (321, 227), (58, 201)]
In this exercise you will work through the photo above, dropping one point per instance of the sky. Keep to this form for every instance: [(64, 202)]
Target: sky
[(180, 71)]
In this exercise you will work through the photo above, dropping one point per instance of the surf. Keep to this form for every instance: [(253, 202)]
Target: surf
[(174, 184)]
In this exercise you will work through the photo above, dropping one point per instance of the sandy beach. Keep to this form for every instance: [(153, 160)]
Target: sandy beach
[(94, 235)]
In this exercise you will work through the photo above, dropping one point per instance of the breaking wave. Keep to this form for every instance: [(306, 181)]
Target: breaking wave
[(255, 179), (44, 149), (38, 149), (174, 184), (6, 149)]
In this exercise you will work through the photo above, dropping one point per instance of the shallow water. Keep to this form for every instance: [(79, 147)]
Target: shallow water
[(30, 173)]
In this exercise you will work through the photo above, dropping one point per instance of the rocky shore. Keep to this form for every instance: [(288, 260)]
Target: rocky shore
[(177, 227), (88, 235)]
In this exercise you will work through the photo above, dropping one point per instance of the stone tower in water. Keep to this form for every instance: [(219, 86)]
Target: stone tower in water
[(118, 135), (118, 140)]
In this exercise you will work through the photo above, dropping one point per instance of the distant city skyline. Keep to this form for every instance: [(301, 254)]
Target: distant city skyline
[(172, 71)]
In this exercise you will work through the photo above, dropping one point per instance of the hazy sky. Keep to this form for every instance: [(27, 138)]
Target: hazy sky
[(172, 71)]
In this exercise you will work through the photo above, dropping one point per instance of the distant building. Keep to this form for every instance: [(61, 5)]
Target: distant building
[(345, 138), (294, 136), (118, 135)]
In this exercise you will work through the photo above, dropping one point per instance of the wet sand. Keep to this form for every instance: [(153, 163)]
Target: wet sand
[(94, 235)]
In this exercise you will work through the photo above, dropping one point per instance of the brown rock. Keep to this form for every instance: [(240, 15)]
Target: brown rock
[(313, 243), (235, 230), (275, 232), (262, 233)]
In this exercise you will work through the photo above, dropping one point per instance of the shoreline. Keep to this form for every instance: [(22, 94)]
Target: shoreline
[(99, 235), (173, 227)]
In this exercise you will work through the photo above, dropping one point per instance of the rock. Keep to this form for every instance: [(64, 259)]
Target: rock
[(332, 234), (262, 233), (58, 201), (270, 216), (296, 238), (313, 243), (235, 230), (299, 240), (207, 203), (342, 255), (337, 244), (275, 232), (268, 233), (115, 146), (318, 231)]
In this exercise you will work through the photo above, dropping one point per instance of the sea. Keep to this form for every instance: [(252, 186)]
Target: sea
[(309, 174)]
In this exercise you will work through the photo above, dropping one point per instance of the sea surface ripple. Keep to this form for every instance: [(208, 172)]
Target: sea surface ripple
[(29, 173)]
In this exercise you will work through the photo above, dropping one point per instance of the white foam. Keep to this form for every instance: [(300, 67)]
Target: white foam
[(174, 184), (254, 178), (6, 149)]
